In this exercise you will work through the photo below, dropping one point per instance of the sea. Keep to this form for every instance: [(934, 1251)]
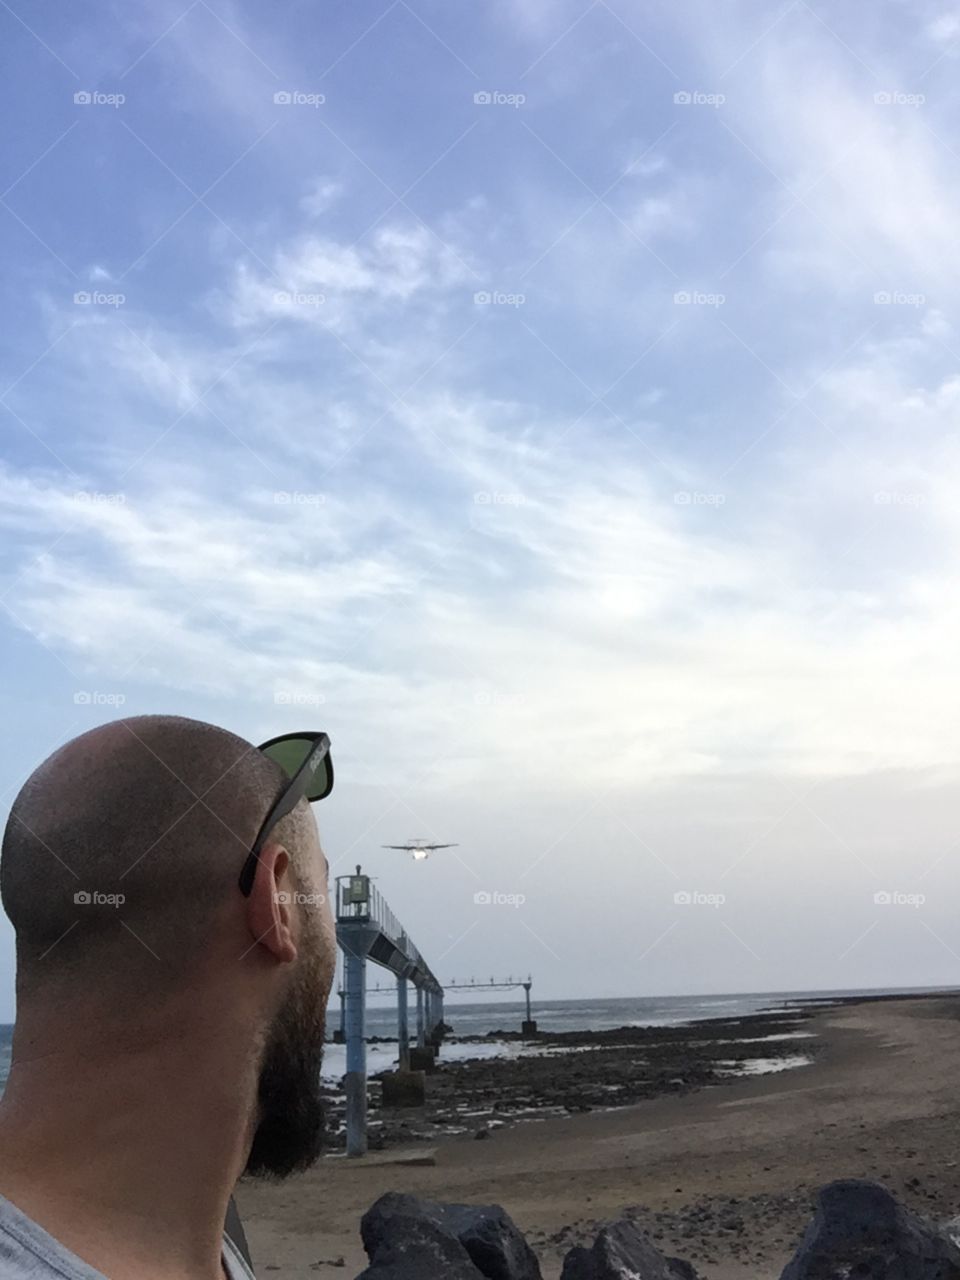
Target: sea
[(473, 1017)]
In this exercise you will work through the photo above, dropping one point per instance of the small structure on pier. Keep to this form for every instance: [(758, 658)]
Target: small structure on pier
[(368, 930)]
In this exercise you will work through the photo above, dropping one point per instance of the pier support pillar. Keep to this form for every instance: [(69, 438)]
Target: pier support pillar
[(403, 1025), (529, 1027), (421, 1028), (434, 1018), (355, 1081)]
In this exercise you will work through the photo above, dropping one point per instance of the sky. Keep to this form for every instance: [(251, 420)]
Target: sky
[(554, 402)]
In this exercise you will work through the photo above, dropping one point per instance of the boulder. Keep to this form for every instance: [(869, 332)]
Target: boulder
[(491, 1240), (622, 1252), (419, 1250), (860, 1230)]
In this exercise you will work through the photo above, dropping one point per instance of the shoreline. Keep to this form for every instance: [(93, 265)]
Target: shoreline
[(515, 1080), (723, 1176), (575, 1072)]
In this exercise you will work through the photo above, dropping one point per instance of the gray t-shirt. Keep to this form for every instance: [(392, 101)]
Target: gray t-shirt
[(27, 1252)]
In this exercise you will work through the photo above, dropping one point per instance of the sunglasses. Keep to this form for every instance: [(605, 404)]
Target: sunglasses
[(305, 759)]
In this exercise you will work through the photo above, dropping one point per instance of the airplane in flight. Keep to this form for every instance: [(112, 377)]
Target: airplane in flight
[(419, 848)]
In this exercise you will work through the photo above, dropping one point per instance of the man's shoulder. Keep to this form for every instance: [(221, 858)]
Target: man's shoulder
[(234, 1263), (28, 1252)]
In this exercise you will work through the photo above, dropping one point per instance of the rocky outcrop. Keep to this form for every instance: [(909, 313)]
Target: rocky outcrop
[(860, 1230), (485, 1234)]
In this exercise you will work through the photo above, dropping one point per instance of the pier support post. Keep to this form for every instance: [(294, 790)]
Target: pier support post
[(434, 1001), (355, 1081), (403, 1025), (421, 1029), (529, 1027), (403, 1087)]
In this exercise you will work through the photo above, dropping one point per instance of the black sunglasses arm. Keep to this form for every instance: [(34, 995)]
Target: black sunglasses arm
[(288, 799)]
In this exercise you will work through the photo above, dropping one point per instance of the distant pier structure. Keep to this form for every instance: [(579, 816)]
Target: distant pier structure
[(368, 930), (528, 1027)]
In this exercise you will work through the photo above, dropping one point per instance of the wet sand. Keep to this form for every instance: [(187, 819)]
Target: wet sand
[(723, 1175)]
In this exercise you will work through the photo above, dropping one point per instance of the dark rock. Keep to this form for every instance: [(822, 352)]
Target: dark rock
[(421, 1249), (860, 1230), (622, 1252), (487, 1234)]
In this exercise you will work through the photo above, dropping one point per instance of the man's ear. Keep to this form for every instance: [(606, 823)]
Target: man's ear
[(270, 904)]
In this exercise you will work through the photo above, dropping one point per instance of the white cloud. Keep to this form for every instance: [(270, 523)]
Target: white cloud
[(660, 216), (857, 172), (323, 195), (678, 638), (318, 280), (945, 29)]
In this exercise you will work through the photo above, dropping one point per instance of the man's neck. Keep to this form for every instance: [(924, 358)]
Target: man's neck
[(128, 1155)]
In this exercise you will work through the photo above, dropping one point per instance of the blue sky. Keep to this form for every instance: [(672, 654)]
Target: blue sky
[(555, 402)]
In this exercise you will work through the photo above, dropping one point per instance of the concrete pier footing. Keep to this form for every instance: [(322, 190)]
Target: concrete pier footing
[(423, 1059), (404, 1089)]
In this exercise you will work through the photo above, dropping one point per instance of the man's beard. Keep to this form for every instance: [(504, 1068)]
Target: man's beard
[(289, 1134)]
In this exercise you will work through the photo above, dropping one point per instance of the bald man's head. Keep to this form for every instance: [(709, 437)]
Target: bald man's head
[(123, 847), (119, 872)]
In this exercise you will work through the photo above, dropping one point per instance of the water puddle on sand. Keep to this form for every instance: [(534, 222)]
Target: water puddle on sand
[(783, 1035), (762, 1066)]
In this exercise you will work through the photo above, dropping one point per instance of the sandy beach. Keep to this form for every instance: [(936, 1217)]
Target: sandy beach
[(722, 1175)]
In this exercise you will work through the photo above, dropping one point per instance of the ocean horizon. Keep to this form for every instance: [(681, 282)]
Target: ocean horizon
[(481, 1018)]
